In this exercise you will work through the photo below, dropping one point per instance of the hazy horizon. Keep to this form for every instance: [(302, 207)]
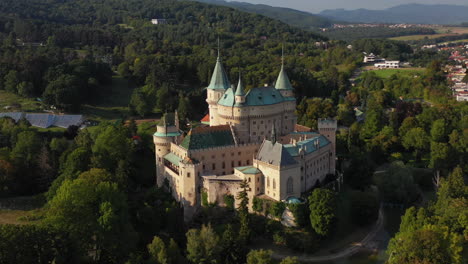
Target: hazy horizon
[(315, 6)]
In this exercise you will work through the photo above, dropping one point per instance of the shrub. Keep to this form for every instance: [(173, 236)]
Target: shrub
[(229, 201), (257, 205), (301, 214), (277, 209), (279, 238), (205, 198)]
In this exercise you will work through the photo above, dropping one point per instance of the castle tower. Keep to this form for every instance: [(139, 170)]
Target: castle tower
[(218, 85), (328, 127), (167, 132), (240, 94), (282, 83)]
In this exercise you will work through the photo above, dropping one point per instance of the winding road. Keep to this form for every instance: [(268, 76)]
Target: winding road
[(345, 252)]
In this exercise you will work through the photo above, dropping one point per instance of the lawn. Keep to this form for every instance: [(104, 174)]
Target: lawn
[(386, 73), (18, 103)]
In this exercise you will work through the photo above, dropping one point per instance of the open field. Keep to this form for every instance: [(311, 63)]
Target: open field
[(18, 103), (386, 73), (441, 32)]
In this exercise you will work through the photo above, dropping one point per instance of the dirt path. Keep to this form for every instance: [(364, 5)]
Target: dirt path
[(365, 242)]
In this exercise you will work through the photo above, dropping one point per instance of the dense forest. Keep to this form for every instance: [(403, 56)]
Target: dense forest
[(96, 185)]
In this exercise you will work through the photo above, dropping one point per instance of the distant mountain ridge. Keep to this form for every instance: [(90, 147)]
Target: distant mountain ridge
[(290, 16), (408, 13)]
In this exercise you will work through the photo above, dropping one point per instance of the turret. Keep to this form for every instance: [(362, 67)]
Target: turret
[(240, 94), (167, 132), (282, 83), (218, 85)]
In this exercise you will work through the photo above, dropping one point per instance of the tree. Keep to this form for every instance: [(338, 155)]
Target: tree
[(430, 244), (417, 139), (322, 203), (64, 93), (440, 155), (12, 79), (164, 100), (140, 103), (173, 253), (397, 184), (243, 211), (25, 89), (111, 146), (259, 257), (158, 252), (290, 260), (202, 245), (232, 246), (94, 212), (438, 133)]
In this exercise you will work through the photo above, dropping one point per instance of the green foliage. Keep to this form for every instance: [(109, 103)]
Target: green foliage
[(257, 205), (232, 247), (157, 250), (243, 212), (35, 244), (290, 260), (260, 256), (396, 184), (301, 214), (111, 146), (322, 204), (229, 201), (276, 209), (436, 234), (204, 198), (203, 245)]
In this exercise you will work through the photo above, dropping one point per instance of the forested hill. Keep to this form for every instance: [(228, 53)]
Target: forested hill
[(290, 16), (45, 40), (410, 13)]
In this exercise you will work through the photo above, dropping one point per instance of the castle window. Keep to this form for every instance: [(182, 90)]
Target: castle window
[(214, 166), (250, 179), (247, 162), (239, 163), (239, 153), (274, 184), (203, 166), (232, 163), (202, 157), (285, 117), (188, 174), (254, 133), (261, 122), (232, 154), (289, 186), (258, 189), (213, 156), (254, 122), (224, 165), (223, 155)]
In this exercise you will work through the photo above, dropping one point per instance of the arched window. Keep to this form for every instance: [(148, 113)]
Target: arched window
[(289, 186), (274, 184)]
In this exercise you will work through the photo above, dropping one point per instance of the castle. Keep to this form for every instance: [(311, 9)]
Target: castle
[(249, 135)]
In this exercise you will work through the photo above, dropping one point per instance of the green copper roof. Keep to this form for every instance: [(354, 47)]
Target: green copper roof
[(283, 83), (170, 134), (219, 80), (255, 97), (248, 170), (209, 139), (240, 88), (228, 98), (172, 158), (308, 145)]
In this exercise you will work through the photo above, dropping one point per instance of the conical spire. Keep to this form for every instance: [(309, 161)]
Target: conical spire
[(240, 87), (219, 79), (283, 83)]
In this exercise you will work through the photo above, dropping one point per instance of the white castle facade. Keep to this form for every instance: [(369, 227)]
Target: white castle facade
[(251, 136)]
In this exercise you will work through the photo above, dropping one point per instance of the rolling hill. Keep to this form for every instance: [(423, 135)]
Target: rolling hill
[(409, 13), (290, 16)]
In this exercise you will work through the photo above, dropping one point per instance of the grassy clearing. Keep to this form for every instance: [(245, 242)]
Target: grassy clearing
[(18, 103), (13, 217), (386, 73)]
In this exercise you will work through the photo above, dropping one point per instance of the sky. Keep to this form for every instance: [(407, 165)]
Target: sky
[(315, 6)]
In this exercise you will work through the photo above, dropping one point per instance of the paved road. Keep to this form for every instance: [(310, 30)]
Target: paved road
[(345, 252)]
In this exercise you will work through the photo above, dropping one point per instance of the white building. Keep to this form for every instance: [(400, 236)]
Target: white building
[(388, 64), (158, 21)]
